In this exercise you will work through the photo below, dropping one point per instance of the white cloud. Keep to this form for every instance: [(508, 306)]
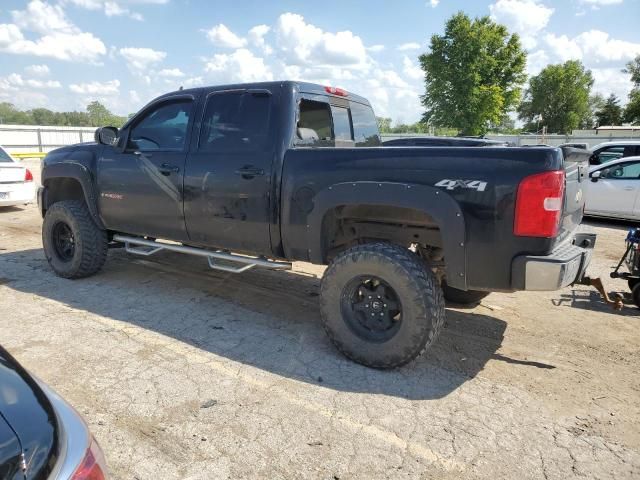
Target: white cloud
[(411, 70), (13, 81), (110, 88), (536, 61), (525, 17), (43, 18), (256, 37), (376, 48), (38, 70), (60, 38), (610, 80), (221, 36), (304, 44), (239, 66), (113, 8), (434, 3), (171, 73), (141, 59), (409, 46), (592, 46)]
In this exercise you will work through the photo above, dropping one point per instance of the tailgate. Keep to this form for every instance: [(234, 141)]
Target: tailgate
[(576, 166)]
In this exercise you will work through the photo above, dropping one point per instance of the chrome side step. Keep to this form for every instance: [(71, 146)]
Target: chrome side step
[(141, 246)]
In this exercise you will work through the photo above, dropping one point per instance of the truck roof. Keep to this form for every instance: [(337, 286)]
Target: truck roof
[(304, 87)]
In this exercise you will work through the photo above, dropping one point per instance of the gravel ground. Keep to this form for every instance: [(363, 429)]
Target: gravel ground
[(185, 373)]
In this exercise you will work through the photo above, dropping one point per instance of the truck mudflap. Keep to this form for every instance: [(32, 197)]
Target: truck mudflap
[(564, 266)]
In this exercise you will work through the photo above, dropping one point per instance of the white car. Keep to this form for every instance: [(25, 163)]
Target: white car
[(16, 182), (614, 189)]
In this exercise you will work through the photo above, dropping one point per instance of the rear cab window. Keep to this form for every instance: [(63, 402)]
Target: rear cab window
[(341, 123)]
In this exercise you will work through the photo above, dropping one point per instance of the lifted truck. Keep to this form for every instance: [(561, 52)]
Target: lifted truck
[(285, 171)]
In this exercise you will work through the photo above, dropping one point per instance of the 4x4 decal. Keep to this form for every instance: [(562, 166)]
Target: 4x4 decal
[(453, 184)]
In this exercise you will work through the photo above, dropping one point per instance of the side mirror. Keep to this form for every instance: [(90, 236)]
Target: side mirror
[(596, 175), (106, 135)]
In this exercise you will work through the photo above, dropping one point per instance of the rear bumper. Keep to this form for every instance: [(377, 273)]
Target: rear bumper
[(19, 193), (562, 267)]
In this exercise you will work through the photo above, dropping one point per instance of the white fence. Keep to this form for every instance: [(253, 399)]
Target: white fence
[(36, 138)]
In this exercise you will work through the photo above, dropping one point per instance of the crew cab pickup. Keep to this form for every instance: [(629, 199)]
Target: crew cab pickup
[(259, 175)]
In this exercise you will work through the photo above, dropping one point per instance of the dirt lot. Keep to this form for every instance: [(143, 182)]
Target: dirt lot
[(182, 372)]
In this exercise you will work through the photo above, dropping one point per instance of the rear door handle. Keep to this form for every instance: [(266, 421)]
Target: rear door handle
[(628, 189), (249, 171), (167, 169)]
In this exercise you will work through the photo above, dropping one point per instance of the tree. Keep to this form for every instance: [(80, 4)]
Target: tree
[(473, 74), (610, 113), (632, 110), (384, 124), (558, 98)]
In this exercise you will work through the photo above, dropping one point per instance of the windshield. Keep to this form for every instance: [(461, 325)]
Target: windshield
[(4, 157)]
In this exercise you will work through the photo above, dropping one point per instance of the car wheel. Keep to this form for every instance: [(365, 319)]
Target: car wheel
[(74, 245), (632, 282), (462, 297), (380, 305)]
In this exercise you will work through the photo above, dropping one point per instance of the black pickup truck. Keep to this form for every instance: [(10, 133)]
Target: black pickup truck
[(259, 175)]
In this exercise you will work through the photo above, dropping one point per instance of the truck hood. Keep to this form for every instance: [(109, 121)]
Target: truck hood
[(27, 422)]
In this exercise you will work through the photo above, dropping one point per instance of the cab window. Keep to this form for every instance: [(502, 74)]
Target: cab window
[(162, 128), (365, 127), (235, 121), (623, 171), (314, 124), (608, 154)]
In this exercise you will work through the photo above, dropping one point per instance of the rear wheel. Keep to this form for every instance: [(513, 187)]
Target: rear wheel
[(462, 297), (632, 283), (380, 306), (74, 245)]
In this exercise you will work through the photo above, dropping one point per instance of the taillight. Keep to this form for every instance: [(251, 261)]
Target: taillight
[(93, 465), (539, 205), (336, 91), (28, 177)]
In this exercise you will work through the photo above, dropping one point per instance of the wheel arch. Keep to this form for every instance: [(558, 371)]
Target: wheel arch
[(69, 181), (418, 204)]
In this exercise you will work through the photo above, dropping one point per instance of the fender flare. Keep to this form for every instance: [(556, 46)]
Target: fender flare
[(78, 172), (430, 200)]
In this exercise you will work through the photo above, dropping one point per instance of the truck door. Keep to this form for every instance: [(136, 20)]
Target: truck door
[(228, 199), (140, 181), (615, 192)]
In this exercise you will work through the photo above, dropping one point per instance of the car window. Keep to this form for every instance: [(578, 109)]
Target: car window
[(610, 153), (365, 127), (622, 171), (341, 124), (4, 157), (235, 121), (163, 128), (314, 124)]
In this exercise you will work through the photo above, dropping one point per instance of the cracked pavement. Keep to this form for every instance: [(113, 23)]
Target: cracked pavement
[(186, 373)]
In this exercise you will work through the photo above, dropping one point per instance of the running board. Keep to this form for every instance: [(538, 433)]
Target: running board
[(141, 246)]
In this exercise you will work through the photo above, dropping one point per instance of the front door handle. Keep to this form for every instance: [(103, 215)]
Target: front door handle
[(628, 189), (166, 169), (249, 171)]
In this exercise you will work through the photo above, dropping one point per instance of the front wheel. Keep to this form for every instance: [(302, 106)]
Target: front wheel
[(635, 295), (74, 245), (380, 305)]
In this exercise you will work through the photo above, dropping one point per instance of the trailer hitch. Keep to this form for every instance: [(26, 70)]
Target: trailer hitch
[(616, 302)]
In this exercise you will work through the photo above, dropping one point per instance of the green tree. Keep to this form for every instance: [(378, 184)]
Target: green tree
[(610, 113), (384, 124), (632, 110), (558, 98), (473, 74)]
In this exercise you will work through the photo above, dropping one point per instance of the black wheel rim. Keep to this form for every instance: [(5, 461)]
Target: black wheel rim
[(371, 308), (63, 241)]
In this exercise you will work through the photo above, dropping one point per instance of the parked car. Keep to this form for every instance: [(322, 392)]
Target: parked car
[(608, 151), (16, 182), (41, 435), (443, 142), (286, 171), (614, 189)]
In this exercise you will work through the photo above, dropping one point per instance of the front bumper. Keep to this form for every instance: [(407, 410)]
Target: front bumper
[(564, 266)]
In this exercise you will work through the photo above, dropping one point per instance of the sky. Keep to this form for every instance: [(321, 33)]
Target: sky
[(63, 54)]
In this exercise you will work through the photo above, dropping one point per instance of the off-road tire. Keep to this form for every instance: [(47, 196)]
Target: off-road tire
[(416, 288), (632, 282), (635, 295), (462, 297), (90, 241)]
